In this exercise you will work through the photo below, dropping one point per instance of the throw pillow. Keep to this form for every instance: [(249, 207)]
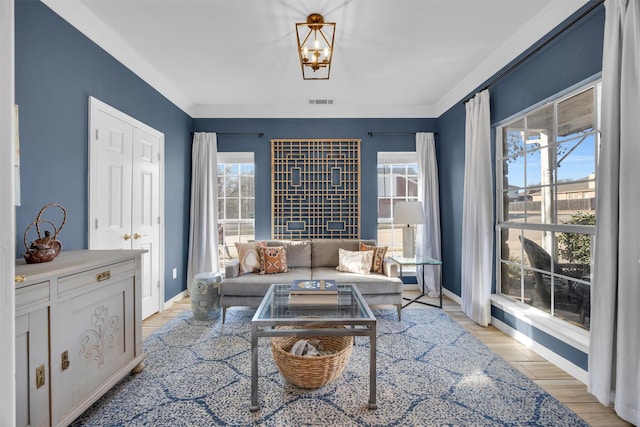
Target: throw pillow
[(249, 257), (377, 265), (273, 259), (354, 261)]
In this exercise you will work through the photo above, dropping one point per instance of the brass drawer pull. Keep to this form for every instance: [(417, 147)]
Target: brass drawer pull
[(20, 278), (64, 360), (105, 275)]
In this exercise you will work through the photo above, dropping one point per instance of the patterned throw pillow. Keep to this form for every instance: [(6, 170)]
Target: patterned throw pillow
[(377, 265), (354, 261), (273, 259), (249, 257)]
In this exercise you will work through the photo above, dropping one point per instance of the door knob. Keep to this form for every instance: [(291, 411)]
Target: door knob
[(127, 237), (137, 236)]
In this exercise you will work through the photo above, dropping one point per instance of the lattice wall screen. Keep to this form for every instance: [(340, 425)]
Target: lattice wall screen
[(315, 188)]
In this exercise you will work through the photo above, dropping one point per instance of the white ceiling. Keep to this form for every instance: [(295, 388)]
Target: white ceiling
[(238, 58)]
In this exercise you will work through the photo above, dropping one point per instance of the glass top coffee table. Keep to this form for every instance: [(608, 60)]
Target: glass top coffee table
[(274, 318)]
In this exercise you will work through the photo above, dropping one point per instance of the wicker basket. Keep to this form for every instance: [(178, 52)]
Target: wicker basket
[(312, 372)]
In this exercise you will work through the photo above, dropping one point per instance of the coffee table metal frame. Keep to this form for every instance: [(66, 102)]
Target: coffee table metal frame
[(274, 318)]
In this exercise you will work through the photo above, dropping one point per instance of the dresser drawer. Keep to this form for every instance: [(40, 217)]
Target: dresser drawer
[(103, 276), (27, 296)]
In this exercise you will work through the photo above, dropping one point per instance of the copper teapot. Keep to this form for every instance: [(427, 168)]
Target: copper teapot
[(44, 248)]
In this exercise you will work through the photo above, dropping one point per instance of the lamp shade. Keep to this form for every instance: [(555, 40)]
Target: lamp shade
[(409, 213)]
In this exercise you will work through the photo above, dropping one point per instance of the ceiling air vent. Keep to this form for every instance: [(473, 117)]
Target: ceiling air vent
[(321, 101)]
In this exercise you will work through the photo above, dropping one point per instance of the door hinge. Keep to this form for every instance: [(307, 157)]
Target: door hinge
[(158, 220), (158, 156), (96, 223), (158, 284), (97, 133)]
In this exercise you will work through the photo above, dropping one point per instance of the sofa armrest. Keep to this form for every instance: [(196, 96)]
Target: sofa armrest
[(390, 268), (232, 269)]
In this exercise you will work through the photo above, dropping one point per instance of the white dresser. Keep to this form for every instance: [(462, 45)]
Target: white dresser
[(78, 332)]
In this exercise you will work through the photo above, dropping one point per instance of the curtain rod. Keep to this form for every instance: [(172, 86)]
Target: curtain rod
[(537, 49), (372, 134), (260, 134)]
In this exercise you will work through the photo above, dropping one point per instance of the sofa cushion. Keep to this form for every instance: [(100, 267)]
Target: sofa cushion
[(256, 285), (324, 252), (273, 260), (377, 264), (354, 261), (248, 256), (367, 283)]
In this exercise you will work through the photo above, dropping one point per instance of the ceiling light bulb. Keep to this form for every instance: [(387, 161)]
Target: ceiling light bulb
[(316, 44), (314, 58), (326, 52), (305, 52)]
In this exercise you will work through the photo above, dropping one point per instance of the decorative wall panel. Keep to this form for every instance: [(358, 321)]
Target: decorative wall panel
[(315, 188)]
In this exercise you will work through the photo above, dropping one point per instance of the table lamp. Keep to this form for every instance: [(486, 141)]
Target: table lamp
[(408, 214)]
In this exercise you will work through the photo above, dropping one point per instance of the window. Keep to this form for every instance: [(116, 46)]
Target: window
[(236, 205), (397, 182), (546, 215)]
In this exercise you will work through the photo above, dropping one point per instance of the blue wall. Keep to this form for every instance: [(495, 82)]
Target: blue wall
[(574, 56), (57, 69), (317, 128)]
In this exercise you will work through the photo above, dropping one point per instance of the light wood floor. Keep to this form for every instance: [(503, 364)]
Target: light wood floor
[(555, 381)]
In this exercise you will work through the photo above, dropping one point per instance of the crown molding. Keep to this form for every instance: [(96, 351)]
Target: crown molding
[(313, 111), (76, 14), (545, 21)]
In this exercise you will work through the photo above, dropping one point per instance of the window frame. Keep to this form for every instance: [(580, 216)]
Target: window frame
[(227, 251), (404, 159), (554, 228)]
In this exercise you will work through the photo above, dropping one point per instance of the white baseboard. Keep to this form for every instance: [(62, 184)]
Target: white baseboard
[(562, 363), (175, 299), (446, 292)]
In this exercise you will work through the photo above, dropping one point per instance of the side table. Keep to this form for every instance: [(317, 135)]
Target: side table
[(418, 261), (205, 298)]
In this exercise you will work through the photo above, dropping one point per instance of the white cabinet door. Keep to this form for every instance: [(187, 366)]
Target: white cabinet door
[(125, 192), (32, 369)]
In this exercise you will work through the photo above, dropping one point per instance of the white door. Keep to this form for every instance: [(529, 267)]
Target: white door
[(125, 193), (145, 214), (110, 182)]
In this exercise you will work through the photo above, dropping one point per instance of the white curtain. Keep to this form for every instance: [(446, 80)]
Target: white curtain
[(428, 236), (203, 220), (477, 212), (614, 347)]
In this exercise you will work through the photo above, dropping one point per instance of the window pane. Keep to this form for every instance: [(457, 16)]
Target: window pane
[(246, 186), (540, 123), (575, 115), (232, 186), (247, 169), (512, 137), (513, 169), (384, 208), (577, 159), (247, 208), (400, 186), (232, 209)]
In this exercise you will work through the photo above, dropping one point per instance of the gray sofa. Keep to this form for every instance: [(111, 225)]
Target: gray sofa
[(311, 259)]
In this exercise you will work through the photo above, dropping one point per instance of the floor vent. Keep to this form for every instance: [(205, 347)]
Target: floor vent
[(321, 101)]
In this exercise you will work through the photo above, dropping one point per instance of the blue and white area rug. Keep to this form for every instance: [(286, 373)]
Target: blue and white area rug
[(431, 372)]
